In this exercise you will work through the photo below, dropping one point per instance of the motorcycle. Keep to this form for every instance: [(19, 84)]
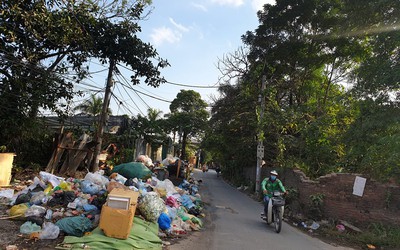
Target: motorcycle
[(218, 170), (276, 207)]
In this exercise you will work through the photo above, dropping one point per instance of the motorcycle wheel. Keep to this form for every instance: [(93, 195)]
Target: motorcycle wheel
[(277, 220)]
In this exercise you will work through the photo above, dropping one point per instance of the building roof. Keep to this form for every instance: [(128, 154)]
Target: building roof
[(85, 122)]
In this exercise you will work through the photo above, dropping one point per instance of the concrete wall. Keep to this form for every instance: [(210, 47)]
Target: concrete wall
[(380, 201)]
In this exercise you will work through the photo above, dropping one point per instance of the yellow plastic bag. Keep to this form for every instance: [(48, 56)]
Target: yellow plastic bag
[(162, 192), (65, 186), (48, 189), (18, 211)]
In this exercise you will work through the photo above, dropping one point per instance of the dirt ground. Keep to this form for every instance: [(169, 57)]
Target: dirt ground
[(12, 239), (10, 236)]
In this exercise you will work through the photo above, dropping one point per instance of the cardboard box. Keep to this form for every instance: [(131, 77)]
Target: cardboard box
[(116, 218)]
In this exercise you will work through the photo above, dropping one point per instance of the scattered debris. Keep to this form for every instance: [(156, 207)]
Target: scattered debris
[(348, 225)]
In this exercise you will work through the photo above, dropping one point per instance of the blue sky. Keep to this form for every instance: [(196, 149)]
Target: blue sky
[(192, 36)]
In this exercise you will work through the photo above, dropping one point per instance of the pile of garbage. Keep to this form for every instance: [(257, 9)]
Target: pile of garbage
[(52, 205)]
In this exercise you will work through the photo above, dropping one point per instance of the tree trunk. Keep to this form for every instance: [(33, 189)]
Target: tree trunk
[(184, 138)]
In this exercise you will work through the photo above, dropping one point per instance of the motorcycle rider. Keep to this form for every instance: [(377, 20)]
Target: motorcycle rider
[(268, 186)]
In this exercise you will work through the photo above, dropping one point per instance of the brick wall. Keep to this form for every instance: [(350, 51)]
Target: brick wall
[(380, 201)]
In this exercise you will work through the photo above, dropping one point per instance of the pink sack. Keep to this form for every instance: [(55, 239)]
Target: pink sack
[(171, 201)]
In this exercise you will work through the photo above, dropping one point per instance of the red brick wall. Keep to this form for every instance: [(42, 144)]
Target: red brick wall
[(380, 201)]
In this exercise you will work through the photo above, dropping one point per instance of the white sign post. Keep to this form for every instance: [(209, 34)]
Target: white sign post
[(359, 185)]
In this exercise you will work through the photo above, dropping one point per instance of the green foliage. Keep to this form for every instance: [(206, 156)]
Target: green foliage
[(316, 206), (188, 116), (230, 138), (377, 234), (388, 198), (372, 141), (317, 200), (92, 107), (46, 47), (308, 51), (123, 156), (381, 235), (293, 195)]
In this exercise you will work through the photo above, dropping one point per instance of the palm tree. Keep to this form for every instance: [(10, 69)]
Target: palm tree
[(153, 114), (92, 107)]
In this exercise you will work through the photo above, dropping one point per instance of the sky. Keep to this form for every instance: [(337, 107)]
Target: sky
[(192, 36)]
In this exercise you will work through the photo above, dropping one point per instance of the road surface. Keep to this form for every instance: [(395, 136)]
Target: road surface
[(233, 223)]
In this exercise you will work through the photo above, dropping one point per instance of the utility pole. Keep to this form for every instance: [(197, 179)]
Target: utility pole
[(103, 118), (260, 146)]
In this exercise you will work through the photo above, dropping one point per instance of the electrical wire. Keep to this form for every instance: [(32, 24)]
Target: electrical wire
[(133, 101), (178, 84)]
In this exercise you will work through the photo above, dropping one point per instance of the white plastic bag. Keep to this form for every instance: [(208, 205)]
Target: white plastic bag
[(97, 178), (49, 231), (29, 227), (47, 177), (35, 211)]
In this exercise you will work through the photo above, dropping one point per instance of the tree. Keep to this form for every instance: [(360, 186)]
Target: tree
[(230, 137), (307, 50), (154, 133), (92, 107), (188, 116), (45, 47)]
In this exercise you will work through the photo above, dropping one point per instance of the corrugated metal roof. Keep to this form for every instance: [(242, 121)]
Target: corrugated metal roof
[(86, 122)]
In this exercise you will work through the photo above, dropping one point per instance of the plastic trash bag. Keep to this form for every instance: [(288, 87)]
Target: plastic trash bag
[(7, 193), (171, 212), (49, 231), (172, 202), (187, 202), (182, 214), (79, 202), (97, 178), (164, 222), (118, 178), (75, 226), (133, 170), (19, 210), (89, 187), (38, 198), (151, 206), (47, 177), (314, 225), (89, 207), (35, 211), (23, 198), (49, 214), (29, 227), (197, 221), (37, 183)]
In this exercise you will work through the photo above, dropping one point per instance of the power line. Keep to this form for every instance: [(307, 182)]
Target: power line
[(130, 87), (123, 104), (178, 84), (193, 86), (133, 100)]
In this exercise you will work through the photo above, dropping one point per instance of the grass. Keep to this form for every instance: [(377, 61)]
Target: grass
[(376, 234)]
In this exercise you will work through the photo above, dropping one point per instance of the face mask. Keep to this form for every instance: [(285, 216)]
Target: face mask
[(273, 177)]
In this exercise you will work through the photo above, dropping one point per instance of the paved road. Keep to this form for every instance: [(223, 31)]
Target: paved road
[(233, 222)]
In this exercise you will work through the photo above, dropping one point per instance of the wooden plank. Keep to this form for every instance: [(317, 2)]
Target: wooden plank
[(179, 167), (65, 140), (75, 157)]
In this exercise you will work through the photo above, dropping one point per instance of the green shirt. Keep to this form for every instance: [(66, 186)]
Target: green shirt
[(270, 186)]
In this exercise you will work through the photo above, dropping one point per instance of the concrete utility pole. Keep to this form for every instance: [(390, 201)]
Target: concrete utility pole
[(260, 146), (103, 118)]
